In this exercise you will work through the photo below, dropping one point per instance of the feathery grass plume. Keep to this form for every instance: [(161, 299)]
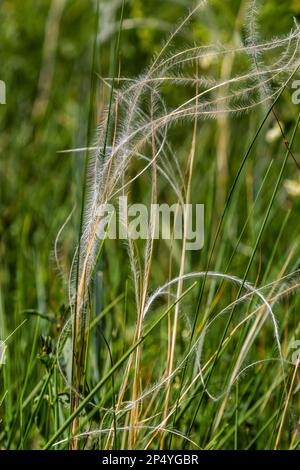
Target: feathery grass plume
[(131, 129)]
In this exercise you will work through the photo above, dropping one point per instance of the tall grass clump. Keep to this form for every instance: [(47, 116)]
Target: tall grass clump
[(159, 346)]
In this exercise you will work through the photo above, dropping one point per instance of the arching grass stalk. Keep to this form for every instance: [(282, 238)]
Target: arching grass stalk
[(249, 265), (218, 231)]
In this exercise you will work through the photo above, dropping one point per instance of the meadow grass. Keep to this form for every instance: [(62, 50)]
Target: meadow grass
[(142, 344)]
